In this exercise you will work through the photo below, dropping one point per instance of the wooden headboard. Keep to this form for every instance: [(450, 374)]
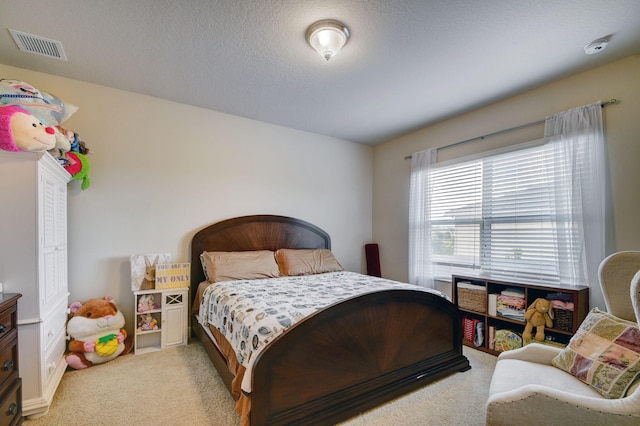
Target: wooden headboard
[(259, 232)]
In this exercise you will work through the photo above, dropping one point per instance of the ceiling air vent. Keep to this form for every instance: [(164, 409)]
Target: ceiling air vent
[(38, 45)]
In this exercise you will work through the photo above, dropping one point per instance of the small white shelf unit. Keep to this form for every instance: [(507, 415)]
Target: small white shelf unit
[(170, 312)]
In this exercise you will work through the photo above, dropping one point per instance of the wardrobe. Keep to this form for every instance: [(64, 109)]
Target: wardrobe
[(33, 262)]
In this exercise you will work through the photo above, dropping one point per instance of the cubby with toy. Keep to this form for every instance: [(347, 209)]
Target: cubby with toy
[(501, 315)]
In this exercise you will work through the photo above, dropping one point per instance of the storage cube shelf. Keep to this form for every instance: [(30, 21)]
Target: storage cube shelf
[(476, 298), (161, 319)]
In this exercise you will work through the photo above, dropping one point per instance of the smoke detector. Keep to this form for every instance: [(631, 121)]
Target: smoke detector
[(38, 45), (596, 46)]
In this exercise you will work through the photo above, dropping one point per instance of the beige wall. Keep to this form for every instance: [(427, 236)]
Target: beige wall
[(619, 80), (161, 171)]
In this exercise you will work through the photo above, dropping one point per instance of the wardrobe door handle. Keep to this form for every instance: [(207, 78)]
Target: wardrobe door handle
[(3, 328), (8, 365)]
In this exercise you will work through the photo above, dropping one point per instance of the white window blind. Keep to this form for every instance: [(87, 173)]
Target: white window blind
[(498, 215), (535, 214)]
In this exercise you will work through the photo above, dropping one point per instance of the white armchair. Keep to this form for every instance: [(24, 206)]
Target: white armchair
[(526, 389)]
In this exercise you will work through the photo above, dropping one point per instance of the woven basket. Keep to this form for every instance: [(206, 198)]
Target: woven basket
[(563, 319), (473, 300)]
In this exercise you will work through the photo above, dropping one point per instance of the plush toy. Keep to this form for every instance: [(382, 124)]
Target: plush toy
[(21, 131), (64, 139), (49, 109), (78, 167), (96, 332), (79, 145), (67, 140), (146, 302), (538, 315), (147, 322), (72, 155)]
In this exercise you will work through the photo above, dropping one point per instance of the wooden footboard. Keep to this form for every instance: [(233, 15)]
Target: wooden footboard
[(355, 355)]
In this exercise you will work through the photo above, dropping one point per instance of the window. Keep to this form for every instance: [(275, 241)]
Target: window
[(537, 213), (497, 215)]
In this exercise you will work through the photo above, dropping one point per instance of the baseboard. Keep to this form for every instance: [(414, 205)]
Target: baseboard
[(38, 407)]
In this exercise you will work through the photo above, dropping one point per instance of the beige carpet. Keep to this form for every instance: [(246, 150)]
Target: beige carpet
[(179, 386)]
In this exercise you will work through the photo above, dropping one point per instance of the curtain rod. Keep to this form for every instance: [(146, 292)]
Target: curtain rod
[(511, 129)]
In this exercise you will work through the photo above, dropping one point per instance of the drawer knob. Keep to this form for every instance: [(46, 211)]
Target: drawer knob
[(13, 409), (3, 328), (8, 365)]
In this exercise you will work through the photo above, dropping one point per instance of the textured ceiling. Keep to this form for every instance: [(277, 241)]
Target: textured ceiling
[(409, 63)]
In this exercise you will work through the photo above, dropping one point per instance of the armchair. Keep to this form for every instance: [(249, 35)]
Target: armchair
[(526, 389)]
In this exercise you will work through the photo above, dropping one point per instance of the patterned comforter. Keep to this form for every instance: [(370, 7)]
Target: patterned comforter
[(251, 313)]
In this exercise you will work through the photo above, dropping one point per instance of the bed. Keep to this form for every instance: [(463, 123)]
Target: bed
[(341, 360)]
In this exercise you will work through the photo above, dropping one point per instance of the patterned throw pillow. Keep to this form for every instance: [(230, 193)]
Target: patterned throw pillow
[(604, 353)]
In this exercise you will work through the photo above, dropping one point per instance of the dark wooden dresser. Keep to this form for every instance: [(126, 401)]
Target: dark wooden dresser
[(10, 382)]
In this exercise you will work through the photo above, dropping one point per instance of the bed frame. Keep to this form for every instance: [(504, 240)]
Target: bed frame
[(342, 360)]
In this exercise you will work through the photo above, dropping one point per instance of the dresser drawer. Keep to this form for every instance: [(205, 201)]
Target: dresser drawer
[(11, 403), (7, 321), (54, 325), (53, 357), (8, 358)]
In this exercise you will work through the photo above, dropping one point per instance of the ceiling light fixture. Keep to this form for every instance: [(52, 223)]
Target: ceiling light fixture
[(327, 37)]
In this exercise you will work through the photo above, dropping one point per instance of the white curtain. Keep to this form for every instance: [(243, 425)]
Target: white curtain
[(420, 272), (578, 136)]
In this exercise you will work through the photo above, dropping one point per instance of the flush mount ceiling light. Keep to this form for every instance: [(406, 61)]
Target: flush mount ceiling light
[(327, 37), (596, 46)]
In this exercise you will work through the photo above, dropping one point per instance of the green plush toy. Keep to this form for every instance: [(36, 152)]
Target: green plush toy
[(78, 168)]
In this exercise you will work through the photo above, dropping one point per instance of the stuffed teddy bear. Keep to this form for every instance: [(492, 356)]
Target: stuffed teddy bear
[(538, 315), (96, 332), (21, 131)]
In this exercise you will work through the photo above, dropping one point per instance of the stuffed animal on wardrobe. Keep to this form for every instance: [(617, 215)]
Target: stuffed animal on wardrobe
[(78, 167), (47, 108), (22, 131), (97, 333)]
